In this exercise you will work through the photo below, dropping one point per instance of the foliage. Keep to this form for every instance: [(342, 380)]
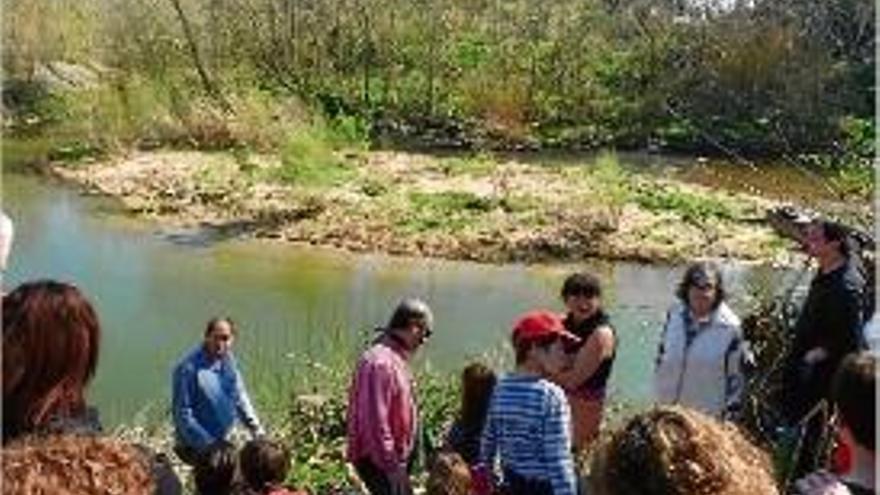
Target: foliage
[(308, 160), (689, 206), (449, 211), (743, 78), (477, 165)]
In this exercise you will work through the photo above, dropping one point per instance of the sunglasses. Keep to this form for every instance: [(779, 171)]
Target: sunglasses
[(426, 331)]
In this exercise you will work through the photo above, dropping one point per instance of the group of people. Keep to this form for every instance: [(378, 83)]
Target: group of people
[(520, 433), (517, 433), (53, 440)]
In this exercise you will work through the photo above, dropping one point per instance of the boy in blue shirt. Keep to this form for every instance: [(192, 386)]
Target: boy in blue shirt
[(528, 427)]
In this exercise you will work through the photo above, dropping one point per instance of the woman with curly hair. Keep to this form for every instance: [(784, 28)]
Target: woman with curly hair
[(73, 465), (671, 450)]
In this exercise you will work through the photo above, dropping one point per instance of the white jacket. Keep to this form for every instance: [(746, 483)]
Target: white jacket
[(706, 374)]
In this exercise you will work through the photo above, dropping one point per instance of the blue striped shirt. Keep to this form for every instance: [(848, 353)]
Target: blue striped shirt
[(529, 427)]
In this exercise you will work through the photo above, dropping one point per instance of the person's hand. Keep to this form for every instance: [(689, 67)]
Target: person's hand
[(815, 355), (820, 483)]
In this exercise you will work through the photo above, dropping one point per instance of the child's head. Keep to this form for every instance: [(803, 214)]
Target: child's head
[(539, 340), (450, 475), (264, 463), (854, 394), (477, 383), (215, 471)]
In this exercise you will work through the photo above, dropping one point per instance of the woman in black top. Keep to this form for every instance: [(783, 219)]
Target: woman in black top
[(593, 359)]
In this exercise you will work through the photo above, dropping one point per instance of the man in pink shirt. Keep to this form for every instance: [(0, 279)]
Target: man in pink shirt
[(382, 413)]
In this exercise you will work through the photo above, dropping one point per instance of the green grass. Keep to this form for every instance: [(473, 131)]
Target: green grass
[(690, 207), (449, 211), (308, 159), (478, 165)]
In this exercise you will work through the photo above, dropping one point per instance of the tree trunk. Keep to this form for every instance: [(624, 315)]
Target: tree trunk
[(209, 86)]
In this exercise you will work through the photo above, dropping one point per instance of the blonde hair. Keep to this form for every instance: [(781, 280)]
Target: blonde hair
[(450, 475), (677, 451), (74, 465)]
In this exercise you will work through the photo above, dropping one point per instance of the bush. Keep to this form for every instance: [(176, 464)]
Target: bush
[(690, 207), (308, 160), (450, 211)]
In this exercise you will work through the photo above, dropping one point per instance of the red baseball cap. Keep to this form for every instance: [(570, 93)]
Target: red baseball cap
[(541, 323)]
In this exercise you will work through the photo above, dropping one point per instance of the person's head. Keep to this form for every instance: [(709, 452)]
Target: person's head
[(826, 239), (449, 475), (264, 464), (477, 383), (412, 322), (855, 395), (51, 340), (215, 470), (701, 288), (69, 464), (540, 340), (219, 337), (671, 450), (582, 295)]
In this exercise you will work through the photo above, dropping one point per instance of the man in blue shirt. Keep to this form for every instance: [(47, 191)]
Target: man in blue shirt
[(209, 394)]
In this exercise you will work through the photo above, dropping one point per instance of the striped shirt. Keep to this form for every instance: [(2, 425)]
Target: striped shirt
[(529, 427)]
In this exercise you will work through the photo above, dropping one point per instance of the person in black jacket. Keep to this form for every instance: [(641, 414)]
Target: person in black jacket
[(828, 328)]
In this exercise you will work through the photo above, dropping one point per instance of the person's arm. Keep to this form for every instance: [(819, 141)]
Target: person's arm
[(375, 406), (597, 348), (243, 406), (182, 409), (557, 447), (845, 319), (661, 392), (482, 472), (734, 379)]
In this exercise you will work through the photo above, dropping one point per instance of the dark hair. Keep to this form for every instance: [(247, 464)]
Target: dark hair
[(855, 395), (477, 383), (51, 341), (213, 322), (836, 232), (671, 450), (581, 284), (264, 463), (522, 347), (411, 310), (697, 271), (215, 470)]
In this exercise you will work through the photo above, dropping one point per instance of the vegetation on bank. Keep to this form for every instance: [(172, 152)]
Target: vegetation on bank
[(481, 208)]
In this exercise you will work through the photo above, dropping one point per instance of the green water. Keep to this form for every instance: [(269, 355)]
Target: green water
[(154, 290)]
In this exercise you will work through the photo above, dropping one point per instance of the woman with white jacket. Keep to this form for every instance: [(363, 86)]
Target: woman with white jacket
[(699, 361)]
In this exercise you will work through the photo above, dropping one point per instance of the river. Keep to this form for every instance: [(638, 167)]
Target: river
[(155, 289)]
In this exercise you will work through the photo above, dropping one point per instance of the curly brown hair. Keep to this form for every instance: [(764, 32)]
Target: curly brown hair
[(74, 465), (449, 475), (671, 450)]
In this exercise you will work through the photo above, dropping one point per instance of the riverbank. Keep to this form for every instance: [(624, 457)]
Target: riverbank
[(473, 208)]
